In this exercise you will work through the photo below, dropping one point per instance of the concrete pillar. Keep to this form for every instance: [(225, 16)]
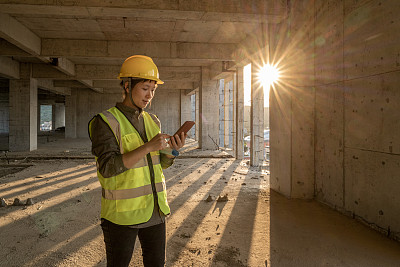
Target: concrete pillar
[(226, 113), (256, 119), (70, 114), (193, 115), (231, 129), (59, 115), (23, 111), (4, 114), (221, 104), (208, 107), (239, 101), (197, 97), (53, 116), (38, 117), (233, 106), (186, 107)]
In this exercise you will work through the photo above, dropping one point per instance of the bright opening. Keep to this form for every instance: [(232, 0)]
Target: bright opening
[(46, 114)]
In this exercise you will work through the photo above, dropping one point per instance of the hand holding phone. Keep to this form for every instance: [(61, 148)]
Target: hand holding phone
[(174, 145), (186, 126)]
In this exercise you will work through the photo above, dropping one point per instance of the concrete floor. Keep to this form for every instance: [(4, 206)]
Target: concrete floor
[(295, 232)]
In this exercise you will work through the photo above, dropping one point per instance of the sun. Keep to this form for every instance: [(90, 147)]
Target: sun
[(268, 75)]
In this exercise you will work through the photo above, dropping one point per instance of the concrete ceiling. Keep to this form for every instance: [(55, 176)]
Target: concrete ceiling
[(77, 44)]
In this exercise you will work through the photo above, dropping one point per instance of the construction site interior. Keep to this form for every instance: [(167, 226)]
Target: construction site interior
[(294, 159)]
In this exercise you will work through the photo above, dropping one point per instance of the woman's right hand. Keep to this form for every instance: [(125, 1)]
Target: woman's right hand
[(159, 142)]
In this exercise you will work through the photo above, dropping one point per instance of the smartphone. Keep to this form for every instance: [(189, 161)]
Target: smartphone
[(186, 126)]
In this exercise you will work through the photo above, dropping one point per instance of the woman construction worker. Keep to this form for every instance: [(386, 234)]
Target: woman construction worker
[(126, 141)]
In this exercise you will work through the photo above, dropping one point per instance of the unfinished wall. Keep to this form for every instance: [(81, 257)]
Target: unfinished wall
[(357, 110)]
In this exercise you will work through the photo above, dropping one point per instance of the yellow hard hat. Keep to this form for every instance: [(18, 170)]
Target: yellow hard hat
[(139, 66)]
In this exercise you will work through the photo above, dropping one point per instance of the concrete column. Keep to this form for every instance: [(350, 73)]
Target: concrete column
[(234, 120), (221, 105), (256, 120), (53, 116), (186, 107), (239, 101), (70, 114), (193, 114), (23, 111), (231, 129), (38, 117), (197, 116), (59, 115), (4, 114), (208, 107), (226, 113)]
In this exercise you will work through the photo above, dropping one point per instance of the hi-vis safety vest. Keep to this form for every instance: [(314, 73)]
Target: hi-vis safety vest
[(128, 198)]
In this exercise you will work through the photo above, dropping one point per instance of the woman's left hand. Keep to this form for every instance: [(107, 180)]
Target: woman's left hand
[(176, 142)]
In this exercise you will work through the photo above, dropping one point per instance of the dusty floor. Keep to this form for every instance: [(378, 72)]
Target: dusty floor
[(254, 227)]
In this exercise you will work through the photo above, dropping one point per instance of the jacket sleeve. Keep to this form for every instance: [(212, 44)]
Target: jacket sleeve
[(105, 147)]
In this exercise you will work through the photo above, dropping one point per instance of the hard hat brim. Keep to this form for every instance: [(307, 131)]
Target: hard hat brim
[(140, 77)]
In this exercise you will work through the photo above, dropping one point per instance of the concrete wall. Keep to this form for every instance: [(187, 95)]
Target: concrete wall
[(357, 110)]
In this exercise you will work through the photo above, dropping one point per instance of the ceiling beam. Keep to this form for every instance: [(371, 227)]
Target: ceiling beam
[(89, 84), (115, 84), (110, 72), (221, 70), (64, 65), (48, 85), (9, 68), (8, 49), (272, 11), (123, 49), (69, 83), (19, 35)]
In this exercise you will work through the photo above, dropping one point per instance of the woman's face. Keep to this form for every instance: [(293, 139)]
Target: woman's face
[(143, 92)]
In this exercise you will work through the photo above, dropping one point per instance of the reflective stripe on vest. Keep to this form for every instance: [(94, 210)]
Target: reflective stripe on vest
[(114, 125), (132, 192)]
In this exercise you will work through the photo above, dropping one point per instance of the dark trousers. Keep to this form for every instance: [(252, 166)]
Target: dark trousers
[(120, 242)]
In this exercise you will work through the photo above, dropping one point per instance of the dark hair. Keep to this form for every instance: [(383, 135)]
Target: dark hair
[(134, 82)]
